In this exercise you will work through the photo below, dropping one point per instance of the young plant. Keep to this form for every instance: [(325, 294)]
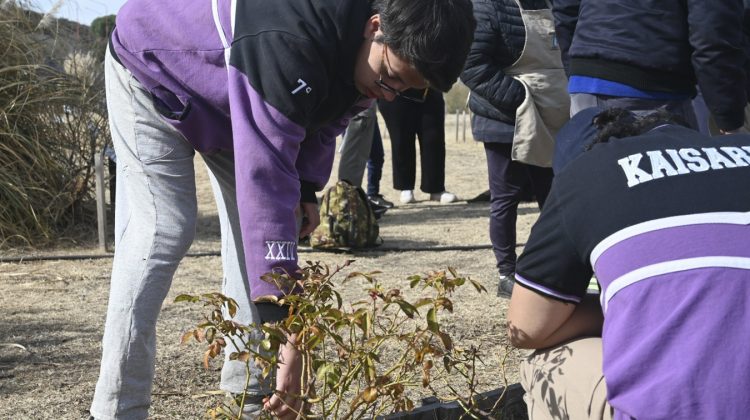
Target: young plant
[(360, 360)]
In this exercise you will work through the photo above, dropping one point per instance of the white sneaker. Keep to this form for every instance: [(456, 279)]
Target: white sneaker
[(444, 197), (407, 197)]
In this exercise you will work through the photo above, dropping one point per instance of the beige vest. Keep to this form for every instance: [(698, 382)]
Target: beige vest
[(547, 104)]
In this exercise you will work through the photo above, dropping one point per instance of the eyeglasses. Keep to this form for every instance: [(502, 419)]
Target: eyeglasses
[(411, 95)]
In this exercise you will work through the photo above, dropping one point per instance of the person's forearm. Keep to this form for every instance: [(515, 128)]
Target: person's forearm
[(586, 320), (285, 403)]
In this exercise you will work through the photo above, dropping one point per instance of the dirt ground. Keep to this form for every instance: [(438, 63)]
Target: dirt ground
[(52, 312)]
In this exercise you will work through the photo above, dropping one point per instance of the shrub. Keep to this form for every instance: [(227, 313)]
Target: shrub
[(455, 99), (101, 28), (51, 123), (360, 360)]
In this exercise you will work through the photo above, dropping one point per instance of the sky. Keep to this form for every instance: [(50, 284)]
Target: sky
[(83, 11)]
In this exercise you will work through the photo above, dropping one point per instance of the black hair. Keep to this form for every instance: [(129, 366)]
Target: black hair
[(434, 36), (620, 123)]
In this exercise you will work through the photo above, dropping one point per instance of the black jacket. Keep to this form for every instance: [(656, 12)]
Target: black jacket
[(659, 45), (498, 42)]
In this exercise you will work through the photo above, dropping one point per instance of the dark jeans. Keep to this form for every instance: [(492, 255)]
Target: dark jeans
[(375, 163), (426, 121), (508, 180)]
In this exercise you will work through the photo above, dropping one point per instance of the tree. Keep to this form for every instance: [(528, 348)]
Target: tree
[(101, 28)]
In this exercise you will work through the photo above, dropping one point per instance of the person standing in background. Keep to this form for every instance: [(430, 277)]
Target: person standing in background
[(519, 102), (643, 55), (420, 114), (362, 147), (375, 171), (355, 146)]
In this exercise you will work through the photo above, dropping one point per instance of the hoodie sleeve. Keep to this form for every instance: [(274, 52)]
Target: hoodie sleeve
[(273, 93), (266, 147), (277, 82)]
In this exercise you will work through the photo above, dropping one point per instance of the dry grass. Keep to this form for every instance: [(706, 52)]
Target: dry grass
[(51, 123), (56, 309)]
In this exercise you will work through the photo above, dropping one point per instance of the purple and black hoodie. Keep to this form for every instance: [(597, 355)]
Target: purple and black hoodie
[(270, 80)]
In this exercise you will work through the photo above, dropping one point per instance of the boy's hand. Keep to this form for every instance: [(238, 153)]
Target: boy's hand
[(310, 218), (284, 404)]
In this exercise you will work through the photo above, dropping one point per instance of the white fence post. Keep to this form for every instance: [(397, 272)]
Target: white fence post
[(463, 120), (101, 213), (457, 123)]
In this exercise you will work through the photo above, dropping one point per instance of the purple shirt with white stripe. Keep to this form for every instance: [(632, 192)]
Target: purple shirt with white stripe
[(672, 255)]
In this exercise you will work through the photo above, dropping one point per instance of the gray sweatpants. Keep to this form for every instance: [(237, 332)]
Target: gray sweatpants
[(156, 211), (356, 145)]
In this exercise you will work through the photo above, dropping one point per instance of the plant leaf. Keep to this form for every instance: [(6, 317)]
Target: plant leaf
[(432, 323), (243, 356), (407, 308), (446, 339), (186, 298), (206, 358), (424, 301), (339, 301), (232, 308), (369, 395), (480, 288), (414, 280), (210, 333), (265, 345), (445, 303)]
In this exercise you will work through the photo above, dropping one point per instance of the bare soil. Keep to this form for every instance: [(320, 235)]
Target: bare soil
[(52, 312)]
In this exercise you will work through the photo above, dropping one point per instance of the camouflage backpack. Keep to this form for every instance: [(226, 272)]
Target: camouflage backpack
[(346, 219)]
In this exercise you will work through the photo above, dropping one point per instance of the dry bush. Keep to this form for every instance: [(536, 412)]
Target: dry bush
[(51, 124), (361, 359), (455, 99)]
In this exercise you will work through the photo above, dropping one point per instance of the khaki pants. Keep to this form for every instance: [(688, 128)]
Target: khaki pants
[(566, 382)]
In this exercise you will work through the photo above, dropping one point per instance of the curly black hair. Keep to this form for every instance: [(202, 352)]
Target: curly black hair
[(620, 123)]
